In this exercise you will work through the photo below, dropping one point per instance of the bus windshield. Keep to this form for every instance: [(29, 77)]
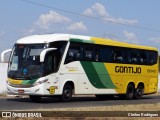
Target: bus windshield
[(25, 61)]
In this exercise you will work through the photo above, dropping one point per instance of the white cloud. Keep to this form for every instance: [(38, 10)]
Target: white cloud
[(155, 39), (78, 26), (98, 10), (50, 22), (89, 12), (48, 19), (130, 37), (2, 33), (121, 20)]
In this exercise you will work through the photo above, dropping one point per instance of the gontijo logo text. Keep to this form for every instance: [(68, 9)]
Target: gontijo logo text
[(127, 69)]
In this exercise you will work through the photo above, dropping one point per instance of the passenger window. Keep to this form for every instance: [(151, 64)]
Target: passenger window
[(132, 57), (97, 54), (117, 55), (152, 58), (143, 57), (49, 62), (105, 54), (89, 53), (74, 53)]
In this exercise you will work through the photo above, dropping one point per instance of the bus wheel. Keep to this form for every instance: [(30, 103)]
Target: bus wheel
[(129, 92), (67, 93), (138, 92), (35, 98)]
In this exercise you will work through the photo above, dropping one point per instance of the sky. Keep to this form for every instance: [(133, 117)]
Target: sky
[(129, 21)]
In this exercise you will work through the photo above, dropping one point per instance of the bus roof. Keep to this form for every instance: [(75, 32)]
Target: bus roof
[(121, 44), (37, 39)]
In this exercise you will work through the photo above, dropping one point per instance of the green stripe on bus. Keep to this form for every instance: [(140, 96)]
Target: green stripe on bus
[(92, 74), (29, 81), (97, 75), (82, 41), (33, 81), (103, 75)]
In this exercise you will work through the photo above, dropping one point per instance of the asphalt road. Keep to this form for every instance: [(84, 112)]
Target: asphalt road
[(48, 103)]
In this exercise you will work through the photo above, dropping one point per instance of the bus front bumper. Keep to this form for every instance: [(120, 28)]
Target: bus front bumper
[(36, 90)]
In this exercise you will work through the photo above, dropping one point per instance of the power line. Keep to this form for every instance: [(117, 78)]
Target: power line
[(95, 18)]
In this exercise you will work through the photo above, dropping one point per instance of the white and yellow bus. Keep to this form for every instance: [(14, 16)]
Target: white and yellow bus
[(64, 65)]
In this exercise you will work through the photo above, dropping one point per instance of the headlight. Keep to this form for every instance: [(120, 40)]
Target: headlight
[(40, 82)]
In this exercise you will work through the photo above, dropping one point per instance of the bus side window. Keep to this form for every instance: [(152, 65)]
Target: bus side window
[(96, 54), (152, 58), (49, 62), (105, 54), (143, 57), (117, 55), (132, 56), (70, 56), (73, 54), (88, 53)]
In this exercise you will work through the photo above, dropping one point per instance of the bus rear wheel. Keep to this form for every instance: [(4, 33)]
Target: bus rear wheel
[(67, 93), (138, 92), (129, 92), (35, 98)]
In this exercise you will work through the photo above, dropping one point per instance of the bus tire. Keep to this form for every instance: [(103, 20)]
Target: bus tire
[(35, 98), (67, 93), (129, 92), (138, 92)]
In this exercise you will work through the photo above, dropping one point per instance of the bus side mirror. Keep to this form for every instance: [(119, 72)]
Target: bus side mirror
[(3, 55), (43, 53)]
